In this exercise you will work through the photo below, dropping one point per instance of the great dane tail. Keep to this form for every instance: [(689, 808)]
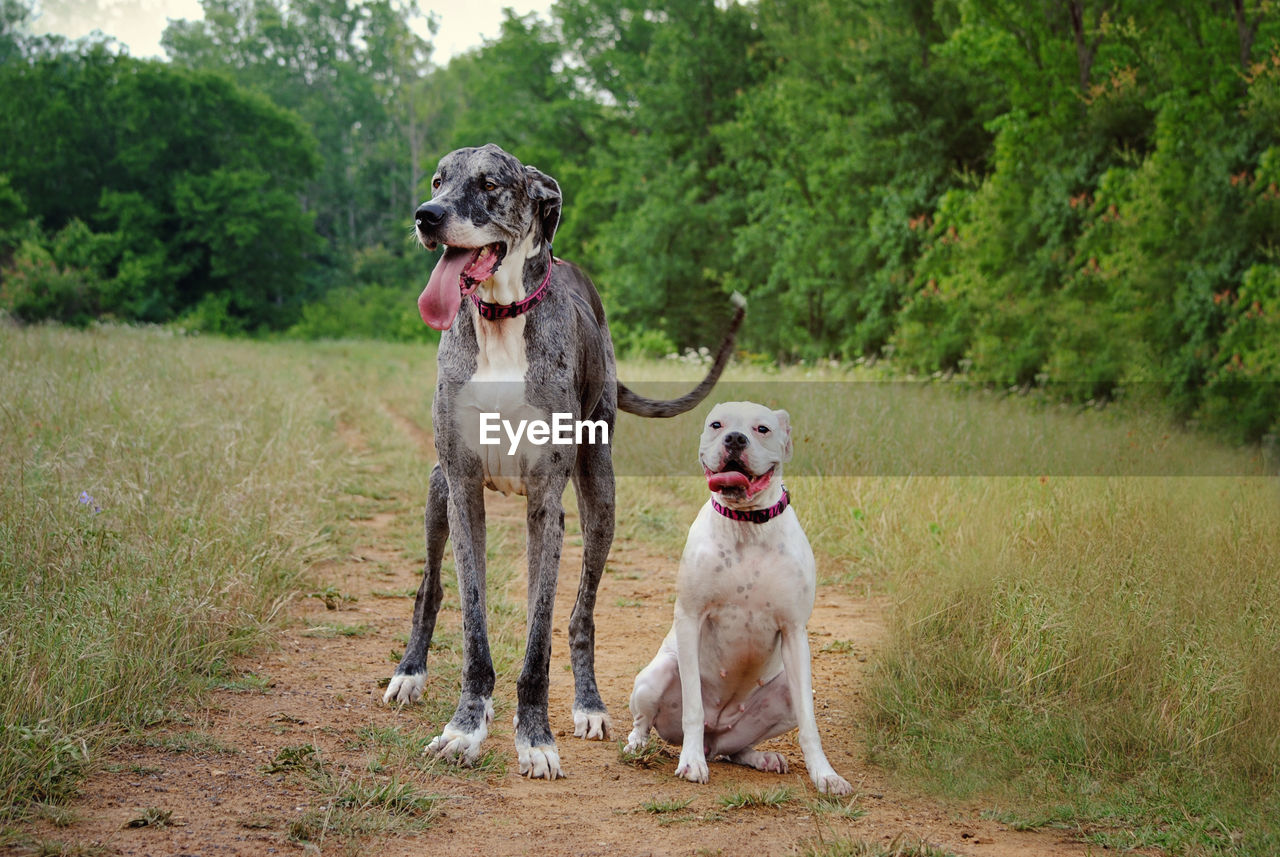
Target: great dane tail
[(633, 403)]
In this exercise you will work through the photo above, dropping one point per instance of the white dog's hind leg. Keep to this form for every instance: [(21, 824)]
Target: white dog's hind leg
[(652, 686), (774, 763)]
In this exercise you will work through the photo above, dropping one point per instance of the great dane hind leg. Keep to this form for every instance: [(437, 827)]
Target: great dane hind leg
[(411, 675), (463, 737), (536, 748), (593, 483)]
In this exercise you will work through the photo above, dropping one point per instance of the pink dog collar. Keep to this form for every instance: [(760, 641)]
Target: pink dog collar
[(755, 516), (495, 312)]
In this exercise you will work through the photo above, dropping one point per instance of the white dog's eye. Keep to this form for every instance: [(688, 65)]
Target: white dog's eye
[(762, 429), (715, 425)]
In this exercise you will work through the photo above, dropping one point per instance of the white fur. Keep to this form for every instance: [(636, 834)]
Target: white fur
[(459, 746), (405, 688), (592, 725)]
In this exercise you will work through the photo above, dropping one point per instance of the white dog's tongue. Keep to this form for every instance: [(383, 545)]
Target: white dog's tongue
[(441, 299), (727, 479)]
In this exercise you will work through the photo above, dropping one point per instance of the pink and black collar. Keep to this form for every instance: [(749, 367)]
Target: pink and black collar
[(755, 516), (496, 312)]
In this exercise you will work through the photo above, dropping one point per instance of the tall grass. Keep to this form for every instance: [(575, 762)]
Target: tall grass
[(1088, 650), (1073, 643), (158, 500)]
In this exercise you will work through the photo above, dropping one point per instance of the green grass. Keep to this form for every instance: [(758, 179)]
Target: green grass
[(159, 499), (662, 806), (847, 847), (1073, 645), (742, 797)]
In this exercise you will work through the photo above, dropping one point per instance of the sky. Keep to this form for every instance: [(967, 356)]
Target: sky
[(138, 23)]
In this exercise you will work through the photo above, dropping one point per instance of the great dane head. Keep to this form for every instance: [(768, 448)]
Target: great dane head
[(491, 213), (743, 448)]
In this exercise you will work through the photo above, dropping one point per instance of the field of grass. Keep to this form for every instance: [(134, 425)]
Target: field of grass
[(1082, 632)]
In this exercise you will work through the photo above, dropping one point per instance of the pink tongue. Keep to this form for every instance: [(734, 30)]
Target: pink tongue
[(727, 479), (440, 300)]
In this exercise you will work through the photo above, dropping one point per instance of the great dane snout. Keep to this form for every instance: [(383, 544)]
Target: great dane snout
[(429, 215), (734, 669)]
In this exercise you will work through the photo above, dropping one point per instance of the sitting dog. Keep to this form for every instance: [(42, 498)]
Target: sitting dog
[(524, 338), (734, 669)]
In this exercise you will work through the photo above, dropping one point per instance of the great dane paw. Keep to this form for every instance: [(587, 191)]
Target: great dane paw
[(405, 688), (832, 784), (693, 767), (461, 745), (774, 763), (539, 762), (592, 725)]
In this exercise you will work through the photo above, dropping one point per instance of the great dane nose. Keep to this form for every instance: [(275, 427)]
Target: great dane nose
[(429, 214), (735, 441)]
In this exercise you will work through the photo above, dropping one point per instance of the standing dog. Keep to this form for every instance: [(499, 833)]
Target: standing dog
[(734, 670), (530, 343)]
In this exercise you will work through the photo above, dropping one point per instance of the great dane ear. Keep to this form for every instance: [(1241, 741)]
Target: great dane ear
[(784, 428), (544, 191)]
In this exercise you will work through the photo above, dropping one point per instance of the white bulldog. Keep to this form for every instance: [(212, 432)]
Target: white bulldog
[(734, 669)]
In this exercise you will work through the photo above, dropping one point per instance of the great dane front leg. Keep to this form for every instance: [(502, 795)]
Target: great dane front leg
[(462, 738), (411, 675), (693, 754), (795, 660), (593, 483), (535, 746)]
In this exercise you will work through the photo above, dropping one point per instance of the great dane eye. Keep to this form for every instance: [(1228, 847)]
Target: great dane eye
[(490, 186), (435, 183)]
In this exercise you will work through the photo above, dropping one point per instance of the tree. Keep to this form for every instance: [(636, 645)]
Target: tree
[(189, 184)]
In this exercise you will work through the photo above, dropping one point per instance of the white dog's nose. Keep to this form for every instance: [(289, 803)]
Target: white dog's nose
[(735, 441)]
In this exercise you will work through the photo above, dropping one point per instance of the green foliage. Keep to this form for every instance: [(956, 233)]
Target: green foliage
[(145, 226), (1077, 196), (364, 312)]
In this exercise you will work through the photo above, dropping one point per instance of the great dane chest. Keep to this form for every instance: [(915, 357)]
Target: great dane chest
[(493, 403)]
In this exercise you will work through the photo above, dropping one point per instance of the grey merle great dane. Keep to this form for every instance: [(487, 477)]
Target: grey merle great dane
[(530, 342)]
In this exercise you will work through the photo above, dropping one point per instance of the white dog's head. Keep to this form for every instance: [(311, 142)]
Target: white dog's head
[(742, 450)]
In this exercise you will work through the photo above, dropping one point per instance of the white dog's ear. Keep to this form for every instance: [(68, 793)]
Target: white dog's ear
[(784, 427)]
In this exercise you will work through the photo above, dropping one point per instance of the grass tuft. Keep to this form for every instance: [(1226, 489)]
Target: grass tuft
[(743, 797)]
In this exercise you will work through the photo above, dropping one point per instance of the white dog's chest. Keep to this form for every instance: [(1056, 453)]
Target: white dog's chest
[(746, 593)]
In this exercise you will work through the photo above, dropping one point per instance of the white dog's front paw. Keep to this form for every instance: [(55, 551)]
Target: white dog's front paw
[(459, 746), (832, 783), (539, 762), (693, 766), (636, 740), (405, 688), (594, 725)]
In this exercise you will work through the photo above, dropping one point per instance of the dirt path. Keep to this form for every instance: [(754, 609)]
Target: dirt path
[(324, 691)]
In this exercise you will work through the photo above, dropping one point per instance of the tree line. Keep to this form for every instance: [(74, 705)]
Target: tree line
[(1075, 195)]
